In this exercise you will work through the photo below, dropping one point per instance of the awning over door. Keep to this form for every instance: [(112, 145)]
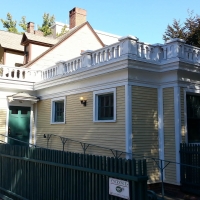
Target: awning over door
[(23, 96)]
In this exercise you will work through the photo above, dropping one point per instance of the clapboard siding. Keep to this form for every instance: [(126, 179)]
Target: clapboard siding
[(183, 130), (169, 133), (3, 114), (145, 127), (80, 126)]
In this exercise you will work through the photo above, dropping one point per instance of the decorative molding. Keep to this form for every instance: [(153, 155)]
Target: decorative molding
[(84, 89), (185, 115), (161, 127), (128, 120), (35, 124), (31, 126)]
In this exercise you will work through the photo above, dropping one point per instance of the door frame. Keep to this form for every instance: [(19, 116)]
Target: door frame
[(23, 104)]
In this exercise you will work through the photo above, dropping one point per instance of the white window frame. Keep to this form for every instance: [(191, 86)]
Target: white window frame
[(95, 104), (53, 109)]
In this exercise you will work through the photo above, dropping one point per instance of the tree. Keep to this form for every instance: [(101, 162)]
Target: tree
[(63, 31), (193, 30), (189, 30), (174, 31), (48, 21), (10, 24), (23, 23)]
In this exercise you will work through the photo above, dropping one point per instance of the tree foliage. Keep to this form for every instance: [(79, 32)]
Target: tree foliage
[(10, 24), (23, 23), (63, 31), (48, 21), (189, 30)]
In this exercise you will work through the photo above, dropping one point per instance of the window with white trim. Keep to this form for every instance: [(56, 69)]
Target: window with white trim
[(104, 109), (58, 110)]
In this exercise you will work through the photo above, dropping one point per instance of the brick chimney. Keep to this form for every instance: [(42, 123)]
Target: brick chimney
[(77, 16), (30, 27)]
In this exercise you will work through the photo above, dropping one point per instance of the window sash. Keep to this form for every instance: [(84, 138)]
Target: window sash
[(106, 107), (59, 111)]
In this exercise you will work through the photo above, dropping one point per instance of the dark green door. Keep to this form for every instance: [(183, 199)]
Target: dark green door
[(19, 125)]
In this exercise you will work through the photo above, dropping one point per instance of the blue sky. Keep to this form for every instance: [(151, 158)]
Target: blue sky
[(145, 19)]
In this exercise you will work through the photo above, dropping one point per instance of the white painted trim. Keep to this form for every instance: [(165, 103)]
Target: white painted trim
[(144, 84), (177, 120), (96, 87), (52, 109), (7, 121), (35, 125), (85, 89), (161, 128), (31, 124), (185, 115), (128, 120), (95, 104), (107, 86), (108, 34), (188, 91)]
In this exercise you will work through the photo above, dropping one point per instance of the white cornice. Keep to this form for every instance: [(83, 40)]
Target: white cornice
[(14, 84), (84, 89)]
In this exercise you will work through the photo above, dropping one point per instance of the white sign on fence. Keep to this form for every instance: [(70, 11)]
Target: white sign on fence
[(119, 188)]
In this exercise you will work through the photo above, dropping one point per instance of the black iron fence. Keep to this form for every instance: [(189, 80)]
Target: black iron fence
[(190, 176), (69, 144), (36, 173)]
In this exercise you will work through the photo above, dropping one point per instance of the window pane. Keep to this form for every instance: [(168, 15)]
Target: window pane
[(59, 111), (14, 111), (105, 107), (193, 118), (24, 112), (107, 100)]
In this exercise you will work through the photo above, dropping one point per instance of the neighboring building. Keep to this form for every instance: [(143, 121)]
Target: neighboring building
[(11, 52), (17, 50), (35, 43), (107, 38), (136, 96)]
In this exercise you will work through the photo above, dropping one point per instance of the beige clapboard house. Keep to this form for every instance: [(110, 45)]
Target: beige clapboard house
[(101, 89)]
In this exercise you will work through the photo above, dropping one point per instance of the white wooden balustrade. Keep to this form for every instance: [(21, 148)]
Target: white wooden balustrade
[(20, 73), (127, 48)]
